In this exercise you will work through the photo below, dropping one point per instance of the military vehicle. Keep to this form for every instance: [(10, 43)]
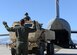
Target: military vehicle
[(58, 33), (36, 40)]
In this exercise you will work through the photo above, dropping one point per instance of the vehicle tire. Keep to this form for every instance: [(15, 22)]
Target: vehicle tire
[(13, 51), (50, 48), (41, 49)]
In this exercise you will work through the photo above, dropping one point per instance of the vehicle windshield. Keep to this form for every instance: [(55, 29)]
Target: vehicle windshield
[(28, 25)]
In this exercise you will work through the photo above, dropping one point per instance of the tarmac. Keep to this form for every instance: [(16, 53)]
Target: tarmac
[(4, 50)]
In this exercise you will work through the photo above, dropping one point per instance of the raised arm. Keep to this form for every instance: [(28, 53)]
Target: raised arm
[(7, 27)]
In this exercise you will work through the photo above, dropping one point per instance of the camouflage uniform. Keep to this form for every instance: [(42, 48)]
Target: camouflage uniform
[(21, 38)]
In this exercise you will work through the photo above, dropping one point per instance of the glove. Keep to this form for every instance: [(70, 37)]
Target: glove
[(4, 23)]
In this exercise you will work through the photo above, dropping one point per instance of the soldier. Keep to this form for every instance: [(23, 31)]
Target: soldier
[(21, 35)]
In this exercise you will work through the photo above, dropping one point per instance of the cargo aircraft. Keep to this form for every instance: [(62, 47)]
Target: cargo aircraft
[(58, 34)]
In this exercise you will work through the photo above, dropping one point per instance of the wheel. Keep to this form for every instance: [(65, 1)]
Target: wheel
[(41, 49), (13, 51), (50, 48)]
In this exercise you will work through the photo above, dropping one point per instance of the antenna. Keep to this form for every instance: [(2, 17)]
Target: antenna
[(57, 8)]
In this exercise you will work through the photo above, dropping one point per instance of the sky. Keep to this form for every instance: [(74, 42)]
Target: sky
[(40, 10)]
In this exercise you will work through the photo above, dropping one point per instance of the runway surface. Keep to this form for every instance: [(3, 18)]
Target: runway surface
[(4, 50)]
